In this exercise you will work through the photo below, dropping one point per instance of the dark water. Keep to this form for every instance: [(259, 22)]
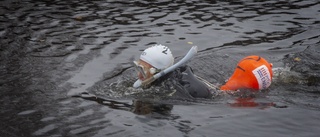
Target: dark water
[(53, 49)]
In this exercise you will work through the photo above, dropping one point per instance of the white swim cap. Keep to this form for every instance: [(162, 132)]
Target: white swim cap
[(158, 56)]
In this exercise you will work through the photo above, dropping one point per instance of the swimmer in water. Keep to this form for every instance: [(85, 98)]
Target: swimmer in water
[(252, 72), (159, 57)]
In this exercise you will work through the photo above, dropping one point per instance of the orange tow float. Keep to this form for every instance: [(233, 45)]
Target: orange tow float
[(252, 72)]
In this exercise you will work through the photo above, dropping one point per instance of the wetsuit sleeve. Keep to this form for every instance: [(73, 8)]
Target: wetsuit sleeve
[(194, 86)]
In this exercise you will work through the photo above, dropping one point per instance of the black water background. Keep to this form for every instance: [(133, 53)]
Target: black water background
[(51, 49)]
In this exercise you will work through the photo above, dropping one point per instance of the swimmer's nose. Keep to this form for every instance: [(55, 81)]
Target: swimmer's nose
[(140, 76)]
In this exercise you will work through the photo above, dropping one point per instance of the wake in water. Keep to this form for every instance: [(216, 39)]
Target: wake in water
[(301, 71)]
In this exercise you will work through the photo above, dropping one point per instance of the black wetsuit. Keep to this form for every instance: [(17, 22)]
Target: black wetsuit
[(186, 84)]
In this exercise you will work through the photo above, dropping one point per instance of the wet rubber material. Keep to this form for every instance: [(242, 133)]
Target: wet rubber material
[(191, 84)]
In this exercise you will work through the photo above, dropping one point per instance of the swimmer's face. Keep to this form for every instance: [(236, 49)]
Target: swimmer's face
[(144, 68)]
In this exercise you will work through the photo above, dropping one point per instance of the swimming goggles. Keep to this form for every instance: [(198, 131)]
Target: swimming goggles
[(139, 68)]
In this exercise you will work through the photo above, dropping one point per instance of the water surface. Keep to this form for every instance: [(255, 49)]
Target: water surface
[(53, 49)]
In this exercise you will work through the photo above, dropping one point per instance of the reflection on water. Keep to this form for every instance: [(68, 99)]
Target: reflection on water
[(250, 102), (52, 49), (140, 107)]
